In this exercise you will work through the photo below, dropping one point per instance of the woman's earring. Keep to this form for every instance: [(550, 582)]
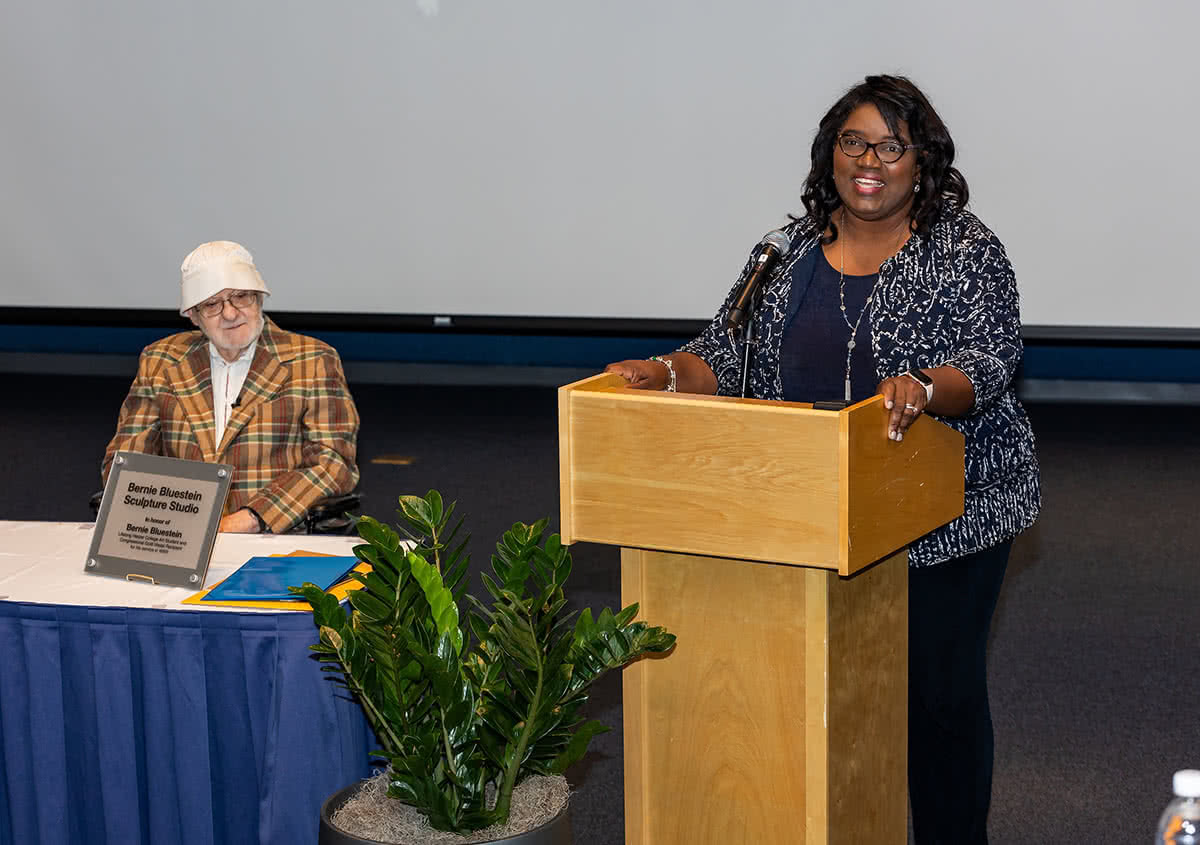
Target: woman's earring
[(916, 187)]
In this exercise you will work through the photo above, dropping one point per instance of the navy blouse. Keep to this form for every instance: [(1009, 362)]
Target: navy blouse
[(947, 299), (812, 354)]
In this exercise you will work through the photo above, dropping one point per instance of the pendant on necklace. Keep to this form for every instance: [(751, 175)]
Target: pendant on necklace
[(847, 390), (850, 344)]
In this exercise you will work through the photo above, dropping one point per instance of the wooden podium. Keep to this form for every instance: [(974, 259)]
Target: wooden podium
[(771, 539)]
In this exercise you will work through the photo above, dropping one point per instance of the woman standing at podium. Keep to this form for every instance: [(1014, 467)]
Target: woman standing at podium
[(890, 286)]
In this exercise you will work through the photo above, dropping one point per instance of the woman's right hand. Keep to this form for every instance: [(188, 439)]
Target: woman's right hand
[(644, 375)]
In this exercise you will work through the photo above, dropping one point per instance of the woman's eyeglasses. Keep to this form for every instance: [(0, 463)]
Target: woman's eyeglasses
[(889, 152)]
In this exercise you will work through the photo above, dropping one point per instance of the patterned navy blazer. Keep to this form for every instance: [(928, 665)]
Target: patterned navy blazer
[(948, 299)]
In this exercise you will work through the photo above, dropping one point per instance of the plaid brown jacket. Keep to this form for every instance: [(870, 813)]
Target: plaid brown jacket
[(291, 440)]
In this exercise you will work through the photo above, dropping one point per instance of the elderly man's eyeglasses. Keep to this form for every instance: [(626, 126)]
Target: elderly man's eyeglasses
[(889, 152), (240, 299)]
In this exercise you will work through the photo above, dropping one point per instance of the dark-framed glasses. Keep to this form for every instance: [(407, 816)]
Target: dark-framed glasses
[(888, 151), (240, 299)]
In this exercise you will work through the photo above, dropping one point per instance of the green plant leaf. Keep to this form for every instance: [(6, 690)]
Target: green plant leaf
[(377, 534), (625, 616), (441, 601), (434, 499), (371, 607), (417, 511)]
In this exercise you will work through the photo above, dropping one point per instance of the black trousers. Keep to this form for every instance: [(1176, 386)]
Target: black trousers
[(950, 742)]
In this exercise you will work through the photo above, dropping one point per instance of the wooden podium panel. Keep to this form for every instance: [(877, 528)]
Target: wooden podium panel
[(627, 490), (781, 715)]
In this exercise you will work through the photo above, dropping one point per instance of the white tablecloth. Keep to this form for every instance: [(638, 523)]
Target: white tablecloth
[(44, 562)]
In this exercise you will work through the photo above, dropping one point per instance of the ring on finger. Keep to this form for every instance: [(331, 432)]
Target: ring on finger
[(909, 407)]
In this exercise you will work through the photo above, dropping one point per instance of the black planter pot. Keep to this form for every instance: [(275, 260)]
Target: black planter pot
[(557, 831)]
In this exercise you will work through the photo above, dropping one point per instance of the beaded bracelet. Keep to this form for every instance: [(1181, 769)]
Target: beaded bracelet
[(670, 370)]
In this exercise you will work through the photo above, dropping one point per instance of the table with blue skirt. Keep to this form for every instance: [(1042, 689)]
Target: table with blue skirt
[(127, 719)]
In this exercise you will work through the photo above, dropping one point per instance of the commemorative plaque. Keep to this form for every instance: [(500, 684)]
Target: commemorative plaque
[(158, 519)]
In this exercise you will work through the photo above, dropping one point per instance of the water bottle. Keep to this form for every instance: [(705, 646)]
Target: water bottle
[(1180, 822)]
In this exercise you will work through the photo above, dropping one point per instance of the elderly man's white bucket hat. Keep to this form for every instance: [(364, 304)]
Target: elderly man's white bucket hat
[(212, 267)]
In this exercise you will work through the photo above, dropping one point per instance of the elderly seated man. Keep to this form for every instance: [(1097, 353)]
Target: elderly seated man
[(242, 391)]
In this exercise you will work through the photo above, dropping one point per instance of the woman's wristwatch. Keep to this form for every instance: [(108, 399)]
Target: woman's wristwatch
[(923, 380)]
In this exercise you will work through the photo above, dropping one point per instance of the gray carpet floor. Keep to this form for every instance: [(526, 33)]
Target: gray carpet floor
[(1094, 653)]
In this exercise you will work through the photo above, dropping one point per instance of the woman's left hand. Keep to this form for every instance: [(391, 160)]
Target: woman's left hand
[(905, 398)]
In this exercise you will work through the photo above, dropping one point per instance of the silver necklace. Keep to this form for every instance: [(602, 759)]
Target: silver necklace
[(842, 299)]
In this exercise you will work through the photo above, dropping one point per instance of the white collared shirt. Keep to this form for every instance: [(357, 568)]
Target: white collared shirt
[(228, 377)]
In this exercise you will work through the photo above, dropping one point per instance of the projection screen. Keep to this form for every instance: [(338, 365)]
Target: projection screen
[(561, 159)]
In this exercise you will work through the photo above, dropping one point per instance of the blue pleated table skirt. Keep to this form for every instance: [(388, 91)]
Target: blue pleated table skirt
[(152, 727)]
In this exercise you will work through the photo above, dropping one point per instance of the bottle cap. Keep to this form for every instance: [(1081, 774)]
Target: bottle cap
[(1187, 783)]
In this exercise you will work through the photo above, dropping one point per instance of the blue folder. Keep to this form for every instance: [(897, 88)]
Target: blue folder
[(268, 578)]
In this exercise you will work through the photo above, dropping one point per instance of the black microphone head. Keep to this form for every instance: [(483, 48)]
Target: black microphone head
[(774, 245), (778, 239)]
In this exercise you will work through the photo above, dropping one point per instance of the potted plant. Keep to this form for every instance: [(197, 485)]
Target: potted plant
[(465, 707)]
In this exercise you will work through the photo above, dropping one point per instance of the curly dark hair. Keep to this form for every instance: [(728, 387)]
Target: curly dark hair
[(897, 99)]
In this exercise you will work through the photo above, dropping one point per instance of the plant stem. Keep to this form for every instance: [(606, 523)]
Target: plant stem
[(379, 723), (504, 798)]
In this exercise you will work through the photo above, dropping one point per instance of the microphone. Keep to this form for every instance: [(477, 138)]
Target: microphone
[(774, 245), (236, 402)]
